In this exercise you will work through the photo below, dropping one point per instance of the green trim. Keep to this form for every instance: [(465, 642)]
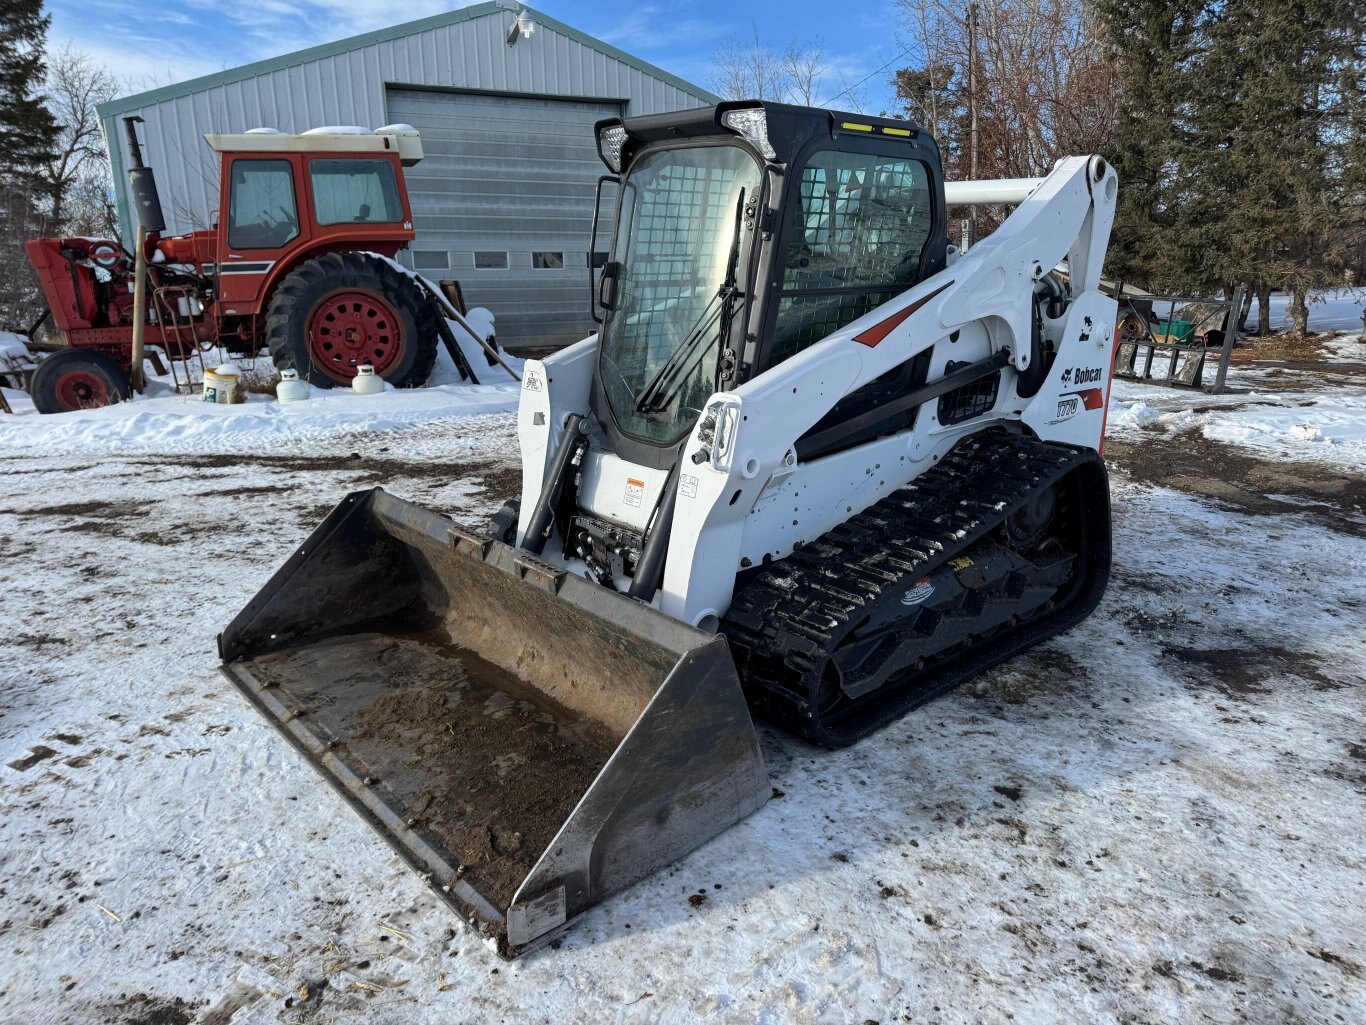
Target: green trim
[(123, 104)]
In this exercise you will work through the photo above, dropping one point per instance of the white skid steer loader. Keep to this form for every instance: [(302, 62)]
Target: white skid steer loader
[(814, 464)]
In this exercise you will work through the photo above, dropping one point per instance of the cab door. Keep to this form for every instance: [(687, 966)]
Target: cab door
[(258, 226)]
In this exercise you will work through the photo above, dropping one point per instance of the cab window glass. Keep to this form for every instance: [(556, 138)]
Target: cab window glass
[(262, 213), (346, 191), (855, 239)]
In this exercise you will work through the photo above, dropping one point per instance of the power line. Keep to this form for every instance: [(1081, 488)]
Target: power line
[(851, 88)]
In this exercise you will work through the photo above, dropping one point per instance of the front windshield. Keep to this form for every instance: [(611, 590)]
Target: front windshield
[(673, 240)]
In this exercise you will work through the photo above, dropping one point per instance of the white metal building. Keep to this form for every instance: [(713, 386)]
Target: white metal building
[(503, 199)]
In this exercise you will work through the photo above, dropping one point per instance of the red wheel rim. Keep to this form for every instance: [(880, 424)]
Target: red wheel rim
[(82, 389), (347, 329)]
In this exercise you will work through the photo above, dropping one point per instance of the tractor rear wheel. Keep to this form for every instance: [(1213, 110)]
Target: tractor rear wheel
[(78, 379), (339, 311)]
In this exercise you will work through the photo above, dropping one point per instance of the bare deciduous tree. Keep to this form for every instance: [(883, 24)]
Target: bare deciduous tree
[(754, 71), (1043, 85), (78, 175)]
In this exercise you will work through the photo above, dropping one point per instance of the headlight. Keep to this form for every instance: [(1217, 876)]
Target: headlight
[(752, 123), (610, 141)]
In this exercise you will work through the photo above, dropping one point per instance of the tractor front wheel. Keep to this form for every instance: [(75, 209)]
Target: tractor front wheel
[(336, 312), (78, 379)]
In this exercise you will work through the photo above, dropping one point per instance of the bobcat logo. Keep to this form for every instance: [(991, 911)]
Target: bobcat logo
[(1082, 375)]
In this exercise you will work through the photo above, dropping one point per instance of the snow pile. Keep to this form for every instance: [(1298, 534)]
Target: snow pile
[(12, 347), (1333, 421), (162, 421), (1131, 414)]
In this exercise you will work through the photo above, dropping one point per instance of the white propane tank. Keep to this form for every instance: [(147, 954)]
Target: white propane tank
[(224, 385), (366, 382), (290, 388)]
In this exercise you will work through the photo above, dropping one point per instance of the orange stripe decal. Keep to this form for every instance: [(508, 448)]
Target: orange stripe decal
[(878, 332)]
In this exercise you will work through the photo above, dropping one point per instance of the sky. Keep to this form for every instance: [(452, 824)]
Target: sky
[(147, 45)]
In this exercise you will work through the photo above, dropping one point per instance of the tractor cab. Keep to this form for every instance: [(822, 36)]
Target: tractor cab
[(284, 197), (784, 224)]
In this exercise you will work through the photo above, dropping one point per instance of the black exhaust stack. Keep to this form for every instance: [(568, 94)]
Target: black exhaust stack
[(143, 182)]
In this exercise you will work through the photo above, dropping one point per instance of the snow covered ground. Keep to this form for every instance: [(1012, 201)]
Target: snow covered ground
[(1328, 311), (1156, 817), (1313, 412)]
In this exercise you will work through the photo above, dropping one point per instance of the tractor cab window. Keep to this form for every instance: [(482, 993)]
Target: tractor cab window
[(854, 238), (355, 191), (262, 213)]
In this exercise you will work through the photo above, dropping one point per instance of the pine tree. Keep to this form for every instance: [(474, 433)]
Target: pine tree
[(28, 130), (1242, 148), (1156, 44)]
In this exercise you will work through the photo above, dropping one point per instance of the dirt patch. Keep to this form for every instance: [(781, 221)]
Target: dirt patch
[(1333, 497), (110, 519), (1245, 672), (1308, 348), (375, 470), (1217, 972), (1332, 958), (35, 755), (91, 509), (247, 492), (40, 641), (141, 1009)]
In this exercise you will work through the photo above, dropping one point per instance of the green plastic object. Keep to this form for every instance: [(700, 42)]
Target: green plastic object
[(1176, 330)]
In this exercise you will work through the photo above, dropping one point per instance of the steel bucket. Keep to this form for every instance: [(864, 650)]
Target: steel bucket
[(529, 741)]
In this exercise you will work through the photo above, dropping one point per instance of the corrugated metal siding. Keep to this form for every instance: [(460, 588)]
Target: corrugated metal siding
[(508, 175), (349, 88)]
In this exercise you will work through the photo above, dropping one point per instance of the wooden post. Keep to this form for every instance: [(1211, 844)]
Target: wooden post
[(136, 377)]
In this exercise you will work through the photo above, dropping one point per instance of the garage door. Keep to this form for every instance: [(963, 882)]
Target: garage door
[(503, 203)]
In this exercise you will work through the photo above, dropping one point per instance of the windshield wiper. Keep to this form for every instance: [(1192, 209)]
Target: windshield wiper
[(659, 391)]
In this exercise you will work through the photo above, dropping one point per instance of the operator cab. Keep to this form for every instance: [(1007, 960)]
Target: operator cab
[(285, 195), (741, 235)]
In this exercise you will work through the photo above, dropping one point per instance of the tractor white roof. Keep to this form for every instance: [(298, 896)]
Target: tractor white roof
[(337, 139)]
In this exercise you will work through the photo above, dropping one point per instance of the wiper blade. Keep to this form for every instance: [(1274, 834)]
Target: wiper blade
[(659, 391), (648, 401)]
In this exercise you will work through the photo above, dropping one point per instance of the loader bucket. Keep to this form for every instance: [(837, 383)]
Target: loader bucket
[(529, 741)]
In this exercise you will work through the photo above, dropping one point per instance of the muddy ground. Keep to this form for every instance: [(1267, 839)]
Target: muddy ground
[(1156, 817)]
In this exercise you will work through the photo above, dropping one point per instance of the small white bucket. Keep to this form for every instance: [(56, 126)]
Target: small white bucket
[(224, 385)]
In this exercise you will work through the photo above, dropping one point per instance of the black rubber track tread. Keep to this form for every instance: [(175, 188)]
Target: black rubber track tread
[(294, 298), (784, 621)]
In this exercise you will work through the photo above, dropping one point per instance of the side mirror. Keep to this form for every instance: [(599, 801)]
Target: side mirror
[(595, 299)]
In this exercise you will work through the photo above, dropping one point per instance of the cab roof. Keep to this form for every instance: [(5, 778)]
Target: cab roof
[(402, 139)]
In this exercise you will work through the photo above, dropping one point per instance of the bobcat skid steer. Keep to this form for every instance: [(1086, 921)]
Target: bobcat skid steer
[(815, 463)]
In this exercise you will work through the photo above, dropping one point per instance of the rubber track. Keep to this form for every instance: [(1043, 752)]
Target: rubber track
[(782, 623)]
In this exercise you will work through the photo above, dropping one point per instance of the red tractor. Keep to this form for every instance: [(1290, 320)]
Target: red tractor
[(294, 263)]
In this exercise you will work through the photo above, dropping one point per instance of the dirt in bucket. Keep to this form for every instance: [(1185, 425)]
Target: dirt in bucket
[(484, 768)]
